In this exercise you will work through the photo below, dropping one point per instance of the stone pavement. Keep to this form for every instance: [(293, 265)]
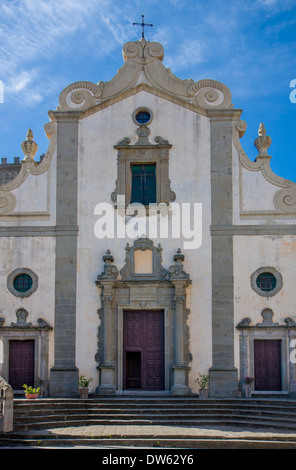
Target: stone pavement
[(154, 431), (144, 436)]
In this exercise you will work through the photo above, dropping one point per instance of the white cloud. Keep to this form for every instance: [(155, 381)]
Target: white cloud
[(34, 31), (188, 55), (274, 6), (268, 3)]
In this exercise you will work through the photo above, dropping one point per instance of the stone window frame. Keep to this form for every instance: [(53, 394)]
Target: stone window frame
[(143, 152), (276, 274), (16, 272)]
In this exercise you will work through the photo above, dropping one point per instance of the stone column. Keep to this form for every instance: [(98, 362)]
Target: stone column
[(107, 382), (244, 354), (64, 375), (180, 280), (43, 371), (292, 363), (223, 374)]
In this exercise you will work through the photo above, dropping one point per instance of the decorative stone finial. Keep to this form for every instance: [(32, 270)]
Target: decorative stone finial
[(110, 271), (263, 142), (176, 271), (108, 258), (29, 147), (179, 257)]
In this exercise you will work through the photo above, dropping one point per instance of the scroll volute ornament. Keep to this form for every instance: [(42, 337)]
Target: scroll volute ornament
[(143, 51)]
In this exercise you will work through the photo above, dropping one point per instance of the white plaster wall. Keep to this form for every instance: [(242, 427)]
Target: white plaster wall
[(257, 193), (251, 253), (31, 196), (253, 197), (35, 200), (37, 254), (189, 171)]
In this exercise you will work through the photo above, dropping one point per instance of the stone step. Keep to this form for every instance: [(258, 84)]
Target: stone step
[(42, 413), (36, 406), (165, 399), (42, 403), (213, 420), (22, 417), (158, 442)]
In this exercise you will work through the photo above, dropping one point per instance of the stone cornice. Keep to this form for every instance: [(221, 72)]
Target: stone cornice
[(38, 231), (224, 114), (259, 230), (149, 89)]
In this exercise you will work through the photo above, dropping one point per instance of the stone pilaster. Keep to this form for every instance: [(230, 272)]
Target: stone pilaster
[(180, 280), (223, 374), (106, 280), (64, 375), (245, 359)]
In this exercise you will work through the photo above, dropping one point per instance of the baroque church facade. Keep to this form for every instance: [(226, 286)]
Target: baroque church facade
[(146, 248)]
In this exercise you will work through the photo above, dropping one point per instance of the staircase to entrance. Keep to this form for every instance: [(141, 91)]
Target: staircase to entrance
[(58, 422), (149, 410)]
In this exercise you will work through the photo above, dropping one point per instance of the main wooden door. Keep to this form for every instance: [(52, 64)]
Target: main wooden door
[(143, 350), (21, 363), (267, 362)]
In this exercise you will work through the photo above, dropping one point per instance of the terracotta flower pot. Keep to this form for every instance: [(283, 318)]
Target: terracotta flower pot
[(31, 396)]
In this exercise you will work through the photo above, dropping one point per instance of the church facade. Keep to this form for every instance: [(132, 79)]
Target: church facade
[(146, 248)]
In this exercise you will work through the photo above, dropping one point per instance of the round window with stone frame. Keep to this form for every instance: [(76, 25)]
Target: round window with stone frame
[(142, 116), (266, 281), (22, 282)]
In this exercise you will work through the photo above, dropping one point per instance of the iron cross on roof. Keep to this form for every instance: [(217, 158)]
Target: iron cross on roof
[(143, 24)]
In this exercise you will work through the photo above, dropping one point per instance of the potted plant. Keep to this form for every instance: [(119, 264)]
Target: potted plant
[(203, 381), (83, 386), (247, 386), (30, 392)]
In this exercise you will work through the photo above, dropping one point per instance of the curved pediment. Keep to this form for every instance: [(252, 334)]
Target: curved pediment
[(143, 65)]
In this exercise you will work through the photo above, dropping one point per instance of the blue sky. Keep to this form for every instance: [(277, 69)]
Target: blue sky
[(248, 45)]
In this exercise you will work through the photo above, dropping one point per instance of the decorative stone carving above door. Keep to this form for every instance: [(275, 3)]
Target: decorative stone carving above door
[(144, 267)]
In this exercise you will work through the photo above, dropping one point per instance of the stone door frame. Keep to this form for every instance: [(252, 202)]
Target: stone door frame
[(161, 290), (21, 330), (268, 330)]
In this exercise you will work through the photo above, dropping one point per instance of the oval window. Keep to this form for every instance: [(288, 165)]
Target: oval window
[(22, 282), (142, 117), (266, 282)]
